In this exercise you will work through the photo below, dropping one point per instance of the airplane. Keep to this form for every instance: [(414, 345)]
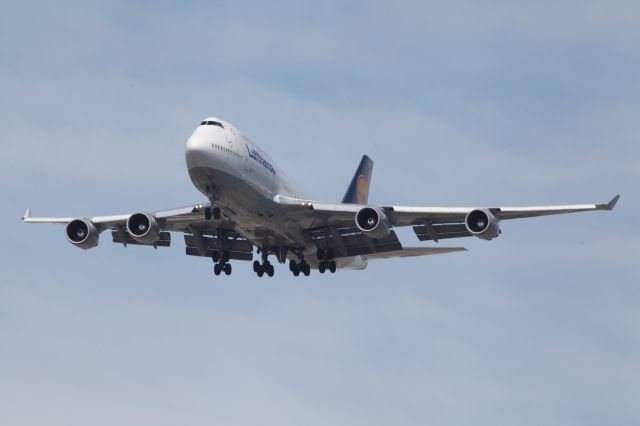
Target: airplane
[(251, 204)]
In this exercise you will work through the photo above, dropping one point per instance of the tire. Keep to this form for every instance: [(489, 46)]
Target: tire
[(216, 213), (207, 213), (217, 269), (227, 269), (296, 273), (322, 266), (256, 266), (270, 270), (260, 273), (332, 267), (306, 270)]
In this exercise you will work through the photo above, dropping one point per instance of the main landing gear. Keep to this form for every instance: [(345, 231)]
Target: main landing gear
[(326, 256), (263, 268), (221, 261), (297, 267)]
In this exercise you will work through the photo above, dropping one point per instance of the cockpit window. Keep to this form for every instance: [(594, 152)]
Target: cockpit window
[(212, 123)]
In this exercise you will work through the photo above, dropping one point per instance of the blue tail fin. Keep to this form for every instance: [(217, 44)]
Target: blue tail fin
[(358, 191)]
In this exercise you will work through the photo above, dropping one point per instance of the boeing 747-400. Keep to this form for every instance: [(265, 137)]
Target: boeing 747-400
[(252, 206)]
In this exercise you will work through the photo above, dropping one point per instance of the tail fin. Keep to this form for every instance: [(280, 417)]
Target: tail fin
[(358, 191)]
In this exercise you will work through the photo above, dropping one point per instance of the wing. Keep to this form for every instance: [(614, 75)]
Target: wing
[(203, 237), (174, 220), (429, 223)]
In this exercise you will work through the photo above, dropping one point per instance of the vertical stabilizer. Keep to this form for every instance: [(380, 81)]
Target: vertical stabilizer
[(358, 191)]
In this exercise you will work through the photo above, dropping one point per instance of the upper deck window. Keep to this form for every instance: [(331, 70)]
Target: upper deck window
[(212, 123)]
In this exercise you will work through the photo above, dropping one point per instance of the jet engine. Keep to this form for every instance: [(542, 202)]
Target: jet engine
[(82, 233), (373, 222), (482, 224), (143, 228)]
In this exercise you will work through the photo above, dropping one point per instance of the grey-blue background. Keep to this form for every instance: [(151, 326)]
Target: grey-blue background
[(459, 103)]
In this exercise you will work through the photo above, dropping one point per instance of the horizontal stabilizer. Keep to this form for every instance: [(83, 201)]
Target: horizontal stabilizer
[(415, 251)]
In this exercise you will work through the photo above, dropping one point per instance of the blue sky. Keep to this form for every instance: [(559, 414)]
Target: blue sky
[(458, 103)]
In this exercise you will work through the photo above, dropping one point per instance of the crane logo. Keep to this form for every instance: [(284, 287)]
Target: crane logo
[(361, 190)]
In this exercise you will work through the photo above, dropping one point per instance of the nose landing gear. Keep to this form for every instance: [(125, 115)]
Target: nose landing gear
[(210, 212)]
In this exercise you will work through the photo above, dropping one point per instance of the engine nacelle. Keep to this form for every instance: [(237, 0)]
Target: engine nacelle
[(482, 224), (143, 228), (82, 233), (373, 222)]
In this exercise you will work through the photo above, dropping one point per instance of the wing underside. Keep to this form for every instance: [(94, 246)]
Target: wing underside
[(323, 225), (332, 225)]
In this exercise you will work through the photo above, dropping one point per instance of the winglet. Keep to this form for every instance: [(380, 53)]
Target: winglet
[(610, 205), (27, 214)]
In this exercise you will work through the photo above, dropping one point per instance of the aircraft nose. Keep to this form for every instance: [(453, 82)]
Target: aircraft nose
[(196, 149)]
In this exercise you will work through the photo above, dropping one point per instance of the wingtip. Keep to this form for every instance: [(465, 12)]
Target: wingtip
[(611, 204), (27, 214)]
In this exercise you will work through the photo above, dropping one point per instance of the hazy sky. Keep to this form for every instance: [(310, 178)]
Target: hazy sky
[(459, 103)]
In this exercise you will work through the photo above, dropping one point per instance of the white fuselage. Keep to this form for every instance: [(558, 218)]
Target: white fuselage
[(242, 180)]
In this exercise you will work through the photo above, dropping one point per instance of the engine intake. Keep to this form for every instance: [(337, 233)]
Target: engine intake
[(143, 228), (373, 222), (82, 233), (482, 224)]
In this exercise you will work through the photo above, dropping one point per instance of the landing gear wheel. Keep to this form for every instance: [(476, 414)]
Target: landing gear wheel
[(217, 269), (295, 267), (322, 267), (270, 271), (332, 266), (216, 213), (227, 269), (256, 266), (305, 268), (207, 213)]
